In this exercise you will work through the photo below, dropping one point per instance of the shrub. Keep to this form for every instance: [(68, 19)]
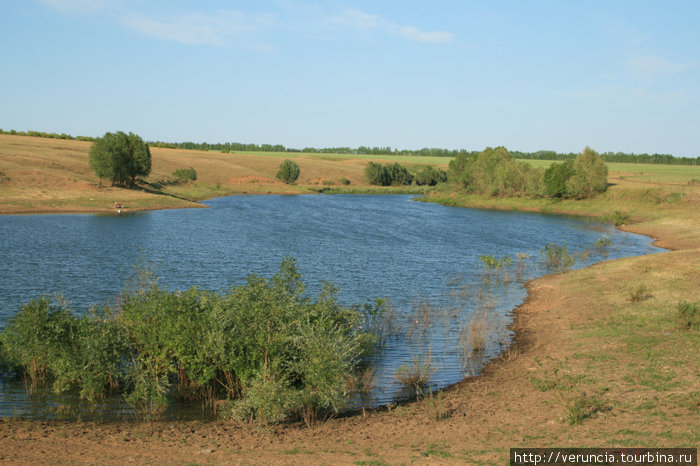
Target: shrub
[(266, 345), (590, 175), (617, 218), (39, 338), (377, 174), (393, 174), (430, 176), (556, 178), (416, 377), (689, 315), (583, 407), (494, 172), (186, 174), (399, 175), (289, 171), (641, 293), (557, 257)]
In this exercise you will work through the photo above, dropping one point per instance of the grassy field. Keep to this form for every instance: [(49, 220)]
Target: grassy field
[(603, 356), (52, 175)]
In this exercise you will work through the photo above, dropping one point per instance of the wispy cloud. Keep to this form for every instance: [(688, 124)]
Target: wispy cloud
[(198, 28), (652, 67), (362, 21), (69, 6)]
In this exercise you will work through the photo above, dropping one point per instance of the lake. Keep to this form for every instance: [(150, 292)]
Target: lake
[(422, 257)]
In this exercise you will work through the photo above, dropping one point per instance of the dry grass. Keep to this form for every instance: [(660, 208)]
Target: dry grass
[(622, 373), (52, 175)]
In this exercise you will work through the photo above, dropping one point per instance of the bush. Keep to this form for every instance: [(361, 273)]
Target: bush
[(430, 176), (186, 174), (641, 293), (289, 171), (393, 174), (590, 175), (377, 174), (271, 351), (494, 172), (556, 177), (399, 175), (689, 315), (557, 257)]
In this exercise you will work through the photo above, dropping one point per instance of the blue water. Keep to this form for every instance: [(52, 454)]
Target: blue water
[(369, 246)]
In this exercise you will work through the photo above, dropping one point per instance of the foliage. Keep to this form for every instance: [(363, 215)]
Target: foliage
[(120, 157), (689, 315), (186, 174), (266, 347), (398, 174), (416, 377), (37, 337), (228, 147), (430, 176), (555, 178), (289, 171), (639, 294), (583, 407), (494, 172), (617, 218), (377, 174), (385, 175), (590, 176), (492, 262), (436, 407), (557, 257)]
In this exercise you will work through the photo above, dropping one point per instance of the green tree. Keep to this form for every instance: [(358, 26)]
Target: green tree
[(120, 157), (289, 171), (556, 178), (398, 174), (590, 177), (377, 174)]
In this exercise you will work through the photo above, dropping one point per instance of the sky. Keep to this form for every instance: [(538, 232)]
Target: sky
[(527, 75)]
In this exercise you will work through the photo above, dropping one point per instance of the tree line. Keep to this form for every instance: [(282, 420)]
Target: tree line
[(227, 147), (495, 172)]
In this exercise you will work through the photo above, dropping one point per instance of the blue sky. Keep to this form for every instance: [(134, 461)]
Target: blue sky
[(528, 75)]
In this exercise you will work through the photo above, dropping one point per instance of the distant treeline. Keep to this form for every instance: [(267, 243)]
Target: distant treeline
[(42, 134), (227, 147)]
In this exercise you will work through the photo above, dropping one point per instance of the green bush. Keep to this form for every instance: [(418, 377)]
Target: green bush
[(430, 176), (269, 349), (399, 175), (689, 315), (289, 171), (557, 257), (186, 174), (556, 177), (494, 172), (392, 174), (377, 174)]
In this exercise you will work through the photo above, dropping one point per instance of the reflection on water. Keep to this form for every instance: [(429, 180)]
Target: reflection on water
[(423, 257)]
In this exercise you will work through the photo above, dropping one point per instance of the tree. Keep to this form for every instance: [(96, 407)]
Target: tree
[(120, 157), (377, 174), (398, 174), (556, 178), (590, 177), (289, 171)]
